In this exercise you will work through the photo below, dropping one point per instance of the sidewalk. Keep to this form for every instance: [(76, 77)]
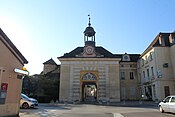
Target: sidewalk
[(134, 103), (122, 103)]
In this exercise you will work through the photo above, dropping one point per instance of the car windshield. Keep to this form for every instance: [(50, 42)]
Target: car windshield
[(24, 96)]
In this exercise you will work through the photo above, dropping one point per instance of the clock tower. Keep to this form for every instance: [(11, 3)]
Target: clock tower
[(89, 39)]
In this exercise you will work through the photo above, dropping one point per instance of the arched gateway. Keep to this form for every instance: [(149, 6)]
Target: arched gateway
[(89, 87), (89, 73)]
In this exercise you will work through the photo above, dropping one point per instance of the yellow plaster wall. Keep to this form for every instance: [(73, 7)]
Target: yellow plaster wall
[(64, 82), (114, 83), (9, 62)]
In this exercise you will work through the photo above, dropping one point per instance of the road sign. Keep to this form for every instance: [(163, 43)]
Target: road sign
[(21, 71)]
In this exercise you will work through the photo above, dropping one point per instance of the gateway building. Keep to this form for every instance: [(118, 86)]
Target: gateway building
[(92, 73)]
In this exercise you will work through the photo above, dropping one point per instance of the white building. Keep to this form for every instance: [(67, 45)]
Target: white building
[(156, 68)]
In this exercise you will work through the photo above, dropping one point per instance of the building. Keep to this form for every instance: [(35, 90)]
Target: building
[(92, 73), (128, 77), (50, 67), (11, 63), (156, 68)]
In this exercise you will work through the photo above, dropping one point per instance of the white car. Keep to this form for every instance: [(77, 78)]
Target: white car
[(168, 104), (26, 102)]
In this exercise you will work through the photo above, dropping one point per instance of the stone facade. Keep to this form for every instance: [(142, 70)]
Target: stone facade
[(148, 76), (107, 71)]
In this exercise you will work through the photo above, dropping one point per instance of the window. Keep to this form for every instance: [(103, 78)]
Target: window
[(131, 75), (173, 99), (161, 41), (147, 73), (126, 57), (139, 77), (151, 56), (172, 39), (167, 99), (143, 74), (122, 76), (154, 91), (138, 64), (152, 71), (142, 62), (146, 59)]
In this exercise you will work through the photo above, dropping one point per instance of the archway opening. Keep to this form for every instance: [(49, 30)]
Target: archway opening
[(89, 92)]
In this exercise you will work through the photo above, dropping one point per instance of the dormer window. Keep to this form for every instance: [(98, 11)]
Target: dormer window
[(161, 40), (172, 39), (126, 57)]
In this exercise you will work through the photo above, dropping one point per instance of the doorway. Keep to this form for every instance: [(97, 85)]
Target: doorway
[(167, 91), (89, 92)]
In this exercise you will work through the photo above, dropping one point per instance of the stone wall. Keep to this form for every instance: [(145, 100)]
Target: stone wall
[(108, 78)]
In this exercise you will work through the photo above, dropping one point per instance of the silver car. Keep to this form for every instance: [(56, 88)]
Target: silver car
[(27, 102), (168, 104)]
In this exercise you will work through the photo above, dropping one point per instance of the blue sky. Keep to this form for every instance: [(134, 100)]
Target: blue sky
[(44, 29)]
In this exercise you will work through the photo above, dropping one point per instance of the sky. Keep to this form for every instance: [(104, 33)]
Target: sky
[(45, 29)]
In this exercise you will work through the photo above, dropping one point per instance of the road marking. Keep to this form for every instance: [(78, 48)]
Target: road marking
[(118, 115)]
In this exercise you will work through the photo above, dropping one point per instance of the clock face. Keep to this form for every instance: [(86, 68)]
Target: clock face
[(89, 50)]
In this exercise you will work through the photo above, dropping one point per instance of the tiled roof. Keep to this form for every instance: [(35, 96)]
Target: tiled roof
[(12, 46)]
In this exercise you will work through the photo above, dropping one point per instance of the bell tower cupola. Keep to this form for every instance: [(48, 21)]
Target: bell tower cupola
[(89, 35)]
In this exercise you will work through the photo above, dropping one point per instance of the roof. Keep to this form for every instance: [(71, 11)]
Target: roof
[(133, 58), (12, 47), (50, 61), (100, 50), (155, 42)]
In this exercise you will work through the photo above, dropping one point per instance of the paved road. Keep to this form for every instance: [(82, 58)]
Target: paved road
[(86, 110)]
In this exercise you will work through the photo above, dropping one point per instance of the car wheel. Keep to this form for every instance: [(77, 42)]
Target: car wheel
[(25, 105), (161, 109)]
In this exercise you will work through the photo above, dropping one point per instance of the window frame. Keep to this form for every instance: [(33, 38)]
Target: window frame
[(122, 75), (131, 75)]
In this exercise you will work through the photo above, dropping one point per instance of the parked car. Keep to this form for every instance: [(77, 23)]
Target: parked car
[(168, 104), (26, 102)]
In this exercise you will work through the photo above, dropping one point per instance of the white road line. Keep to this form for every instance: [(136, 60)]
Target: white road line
[(117, 115)]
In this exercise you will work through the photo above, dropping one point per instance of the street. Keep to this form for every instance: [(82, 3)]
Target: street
[(88, 110)]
